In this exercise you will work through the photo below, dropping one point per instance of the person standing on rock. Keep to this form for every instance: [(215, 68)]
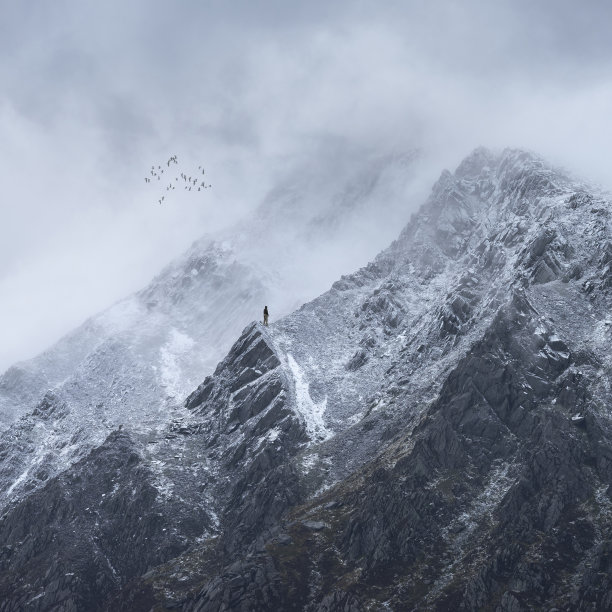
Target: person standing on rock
[(265, 315)]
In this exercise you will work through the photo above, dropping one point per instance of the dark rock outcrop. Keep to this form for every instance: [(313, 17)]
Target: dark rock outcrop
[(86, 532)]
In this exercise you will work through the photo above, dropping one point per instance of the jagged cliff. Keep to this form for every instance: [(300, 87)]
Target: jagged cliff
[(431, 433), (134, 363)]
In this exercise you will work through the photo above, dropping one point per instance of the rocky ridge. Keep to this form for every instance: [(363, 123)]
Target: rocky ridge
[(431, 433), (133, 365)]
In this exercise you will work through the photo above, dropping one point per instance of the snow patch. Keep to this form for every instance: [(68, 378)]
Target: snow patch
[(273, 434), (164, 486), (309, 461), (37, 597), (17, 482), (170, 355), (311, 413)]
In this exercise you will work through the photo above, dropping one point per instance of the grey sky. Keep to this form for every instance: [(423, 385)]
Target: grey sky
[(92, 93)]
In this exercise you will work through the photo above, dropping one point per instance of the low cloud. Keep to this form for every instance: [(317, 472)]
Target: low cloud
[(94, 93)]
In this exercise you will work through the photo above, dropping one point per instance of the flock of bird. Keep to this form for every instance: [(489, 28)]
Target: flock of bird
[(188, 182)]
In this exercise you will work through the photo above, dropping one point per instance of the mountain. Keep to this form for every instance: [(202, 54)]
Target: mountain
[(134, 363), (223, 280), (433, 432)]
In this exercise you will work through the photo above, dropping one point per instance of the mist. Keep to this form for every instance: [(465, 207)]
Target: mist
[(93, 94)]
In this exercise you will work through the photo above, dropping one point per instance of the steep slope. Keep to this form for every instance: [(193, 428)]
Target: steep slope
[(133, 363), (456, 396), (431, 433), (138, 500), (72, 542), (311, 210)]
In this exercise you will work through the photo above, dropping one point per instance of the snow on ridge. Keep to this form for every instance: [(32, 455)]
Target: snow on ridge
[(170, 354), (17, 482), (120, 317), (311, 412)]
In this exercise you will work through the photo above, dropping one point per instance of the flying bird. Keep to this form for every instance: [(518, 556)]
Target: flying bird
[(190, 182)]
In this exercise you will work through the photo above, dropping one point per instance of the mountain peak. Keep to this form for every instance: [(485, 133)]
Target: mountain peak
[(509, 165), (428, 434), (476, 162)]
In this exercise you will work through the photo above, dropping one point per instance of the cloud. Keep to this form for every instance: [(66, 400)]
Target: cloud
[(94, 92)]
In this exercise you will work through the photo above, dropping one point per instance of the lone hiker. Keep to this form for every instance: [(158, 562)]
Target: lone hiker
[(265, 315)]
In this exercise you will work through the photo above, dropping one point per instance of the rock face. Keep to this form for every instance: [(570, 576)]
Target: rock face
[(433, 433), (72, 542), (133, 364)]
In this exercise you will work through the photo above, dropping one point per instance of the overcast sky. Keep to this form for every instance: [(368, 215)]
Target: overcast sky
[(92, 93)]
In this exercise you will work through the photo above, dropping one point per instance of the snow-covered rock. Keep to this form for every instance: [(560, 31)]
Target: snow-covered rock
[(407, 440), (133, 364)]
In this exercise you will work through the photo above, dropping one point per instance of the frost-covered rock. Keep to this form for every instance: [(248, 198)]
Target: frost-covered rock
[(407, 440), (133, 364)]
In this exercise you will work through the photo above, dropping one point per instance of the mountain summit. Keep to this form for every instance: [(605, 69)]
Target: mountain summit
[(433, 432)]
